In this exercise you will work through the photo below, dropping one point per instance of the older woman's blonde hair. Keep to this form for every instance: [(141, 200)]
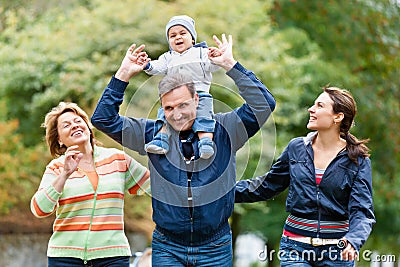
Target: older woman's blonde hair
[(51, 126)]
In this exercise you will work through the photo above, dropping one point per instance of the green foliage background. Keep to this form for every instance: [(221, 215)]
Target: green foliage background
[(68, 50)]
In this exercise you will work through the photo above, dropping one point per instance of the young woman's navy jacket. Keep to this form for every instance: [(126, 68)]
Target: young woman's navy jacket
[(345, 191)]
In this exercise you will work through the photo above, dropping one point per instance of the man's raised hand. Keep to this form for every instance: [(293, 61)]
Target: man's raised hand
[(134, 62), (222, 55)]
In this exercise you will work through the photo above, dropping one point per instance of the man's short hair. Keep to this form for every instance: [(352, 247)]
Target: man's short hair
[(173, 81)]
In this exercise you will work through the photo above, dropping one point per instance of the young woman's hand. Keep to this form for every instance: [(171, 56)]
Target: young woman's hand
[(349, 253)]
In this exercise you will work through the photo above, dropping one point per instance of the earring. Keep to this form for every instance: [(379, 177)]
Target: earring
[(61, 144)]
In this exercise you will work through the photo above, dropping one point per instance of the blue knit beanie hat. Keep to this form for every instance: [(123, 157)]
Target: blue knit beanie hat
[(185, 21)]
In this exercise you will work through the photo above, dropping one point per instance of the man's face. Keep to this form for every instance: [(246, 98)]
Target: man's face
[(180, 108)]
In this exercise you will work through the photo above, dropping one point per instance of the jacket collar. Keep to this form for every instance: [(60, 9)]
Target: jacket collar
[(309, 138), (202, 44)]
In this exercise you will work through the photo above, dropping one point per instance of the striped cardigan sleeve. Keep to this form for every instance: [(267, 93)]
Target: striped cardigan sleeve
[(137, 177), (44, 201)]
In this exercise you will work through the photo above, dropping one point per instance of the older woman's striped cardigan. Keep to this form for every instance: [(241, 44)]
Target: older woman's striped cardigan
[(90, 224)]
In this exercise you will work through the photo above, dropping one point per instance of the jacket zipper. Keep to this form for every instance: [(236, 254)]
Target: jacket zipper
[(319, 212), (319, 195), (189, 175), (311, 154), (190, 206), (202, 64)]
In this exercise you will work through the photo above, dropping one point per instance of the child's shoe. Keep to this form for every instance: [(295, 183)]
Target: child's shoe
[(206, 148), (159, 145)]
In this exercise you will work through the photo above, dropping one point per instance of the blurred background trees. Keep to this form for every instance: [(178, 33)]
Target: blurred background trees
[(53, 51)]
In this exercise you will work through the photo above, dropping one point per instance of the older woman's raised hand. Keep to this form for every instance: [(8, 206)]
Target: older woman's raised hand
[(72, 158)]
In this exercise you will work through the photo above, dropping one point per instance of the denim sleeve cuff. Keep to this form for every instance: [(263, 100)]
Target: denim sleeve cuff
[(117, 85), (236, 71)]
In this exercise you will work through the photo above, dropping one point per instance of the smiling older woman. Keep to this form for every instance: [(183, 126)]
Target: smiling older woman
[(85, 184)]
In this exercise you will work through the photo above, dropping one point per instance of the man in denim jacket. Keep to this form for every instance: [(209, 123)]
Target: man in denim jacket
[(192, 199)]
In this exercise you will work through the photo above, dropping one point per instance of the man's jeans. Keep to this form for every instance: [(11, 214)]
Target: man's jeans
[(169, 253), (294, 253)]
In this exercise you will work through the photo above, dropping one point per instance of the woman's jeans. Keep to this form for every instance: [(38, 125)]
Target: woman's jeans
[(101, 262), (169, 253), (294, 253)]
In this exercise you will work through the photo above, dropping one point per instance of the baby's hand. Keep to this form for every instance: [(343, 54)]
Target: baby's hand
[(214, 52), (143, 59)]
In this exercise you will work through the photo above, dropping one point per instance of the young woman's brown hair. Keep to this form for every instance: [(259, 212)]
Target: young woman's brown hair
[(344, 102)]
